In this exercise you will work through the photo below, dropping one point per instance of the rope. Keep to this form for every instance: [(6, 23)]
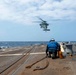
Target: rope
[(39, 68)]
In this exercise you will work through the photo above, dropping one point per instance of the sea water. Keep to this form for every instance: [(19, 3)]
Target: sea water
[(5, 44)]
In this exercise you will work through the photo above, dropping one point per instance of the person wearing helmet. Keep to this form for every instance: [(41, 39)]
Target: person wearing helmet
[(52, 48)]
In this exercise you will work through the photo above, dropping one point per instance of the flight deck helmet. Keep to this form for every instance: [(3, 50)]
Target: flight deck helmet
[(52, 39)]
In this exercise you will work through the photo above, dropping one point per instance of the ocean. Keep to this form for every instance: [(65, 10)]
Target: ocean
[(6, 44)]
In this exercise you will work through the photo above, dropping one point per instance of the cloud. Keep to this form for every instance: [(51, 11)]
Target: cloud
[(24, 11)]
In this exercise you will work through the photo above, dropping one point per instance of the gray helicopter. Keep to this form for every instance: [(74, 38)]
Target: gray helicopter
[(44, 25)]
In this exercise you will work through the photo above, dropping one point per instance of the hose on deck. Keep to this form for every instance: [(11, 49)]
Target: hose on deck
[(39, 68)]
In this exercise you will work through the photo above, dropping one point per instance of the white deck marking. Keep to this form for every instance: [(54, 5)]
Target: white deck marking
[(22, 54)]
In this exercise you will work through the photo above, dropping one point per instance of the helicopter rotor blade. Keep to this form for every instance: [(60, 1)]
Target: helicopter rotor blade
[(36, 21), (41, 19)]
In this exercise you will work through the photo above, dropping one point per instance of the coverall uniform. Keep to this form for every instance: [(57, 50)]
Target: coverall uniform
[(52, 47)]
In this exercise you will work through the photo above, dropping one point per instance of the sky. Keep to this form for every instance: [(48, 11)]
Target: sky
[(17, 20)]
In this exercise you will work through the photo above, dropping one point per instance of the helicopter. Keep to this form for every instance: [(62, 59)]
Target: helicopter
[(44, 25)]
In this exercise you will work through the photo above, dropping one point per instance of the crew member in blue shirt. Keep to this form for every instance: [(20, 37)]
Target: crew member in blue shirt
[(52, 48)]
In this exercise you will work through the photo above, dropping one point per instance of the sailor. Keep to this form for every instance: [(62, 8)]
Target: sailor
[(52, 48)]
